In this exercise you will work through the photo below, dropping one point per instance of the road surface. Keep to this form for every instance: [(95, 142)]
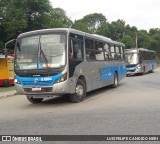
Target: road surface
[(133, 108)]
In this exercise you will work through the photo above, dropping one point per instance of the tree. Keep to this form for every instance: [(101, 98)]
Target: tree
[(143, 39), (37, 13), (128, 41), (155, 40), (59, 19), (18, 16), (116, 30), (78, 25), (94, 21)]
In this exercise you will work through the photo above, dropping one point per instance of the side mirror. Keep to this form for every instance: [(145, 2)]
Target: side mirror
[(11, 42)]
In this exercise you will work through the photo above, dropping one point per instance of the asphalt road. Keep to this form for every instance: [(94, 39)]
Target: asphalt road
[(133, 108)]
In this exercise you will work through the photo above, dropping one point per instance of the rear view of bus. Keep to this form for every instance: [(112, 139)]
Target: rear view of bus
[(140, 61)]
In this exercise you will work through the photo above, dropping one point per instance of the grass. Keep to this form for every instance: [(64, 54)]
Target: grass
[(5, 89)]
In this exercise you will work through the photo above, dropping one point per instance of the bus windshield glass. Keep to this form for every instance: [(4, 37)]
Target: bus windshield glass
[(40, 52), (131, 58)]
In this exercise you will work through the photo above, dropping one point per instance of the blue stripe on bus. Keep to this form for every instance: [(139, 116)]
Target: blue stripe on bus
[(41, 81), (152, 64), (108, 72), (131, 68)]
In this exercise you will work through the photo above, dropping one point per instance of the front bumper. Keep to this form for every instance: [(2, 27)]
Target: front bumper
[(47, 91), (135, 71)]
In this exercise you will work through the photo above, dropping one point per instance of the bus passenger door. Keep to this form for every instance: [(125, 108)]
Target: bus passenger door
[(75, 57)]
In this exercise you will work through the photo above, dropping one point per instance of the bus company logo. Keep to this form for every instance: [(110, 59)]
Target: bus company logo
[(6, 138), (36, 81)]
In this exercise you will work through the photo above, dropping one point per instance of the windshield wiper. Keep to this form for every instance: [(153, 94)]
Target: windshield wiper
[(42, 53)]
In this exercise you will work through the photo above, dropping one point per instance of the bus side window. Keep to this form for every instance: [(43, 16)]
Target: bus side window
[(79, 50), (90, 56), (70, 48), (99, 51), (107, 52), (76, 49), (118, 53), (122, 53), (112, 49)]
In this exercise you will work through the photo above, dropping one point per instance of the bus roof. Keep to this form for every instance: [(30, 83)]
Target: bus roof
[(136, 50), (95, 36)]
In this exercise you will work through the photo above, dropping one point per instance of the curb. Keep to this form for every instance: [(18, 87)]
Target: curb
[(7, 95)]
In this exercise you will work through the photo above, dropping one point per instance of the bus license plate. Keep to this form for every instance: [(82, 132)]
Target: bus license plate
[(36, 89)]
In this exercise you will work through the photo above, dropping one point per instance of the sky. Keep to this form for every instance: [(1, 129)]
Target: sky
[(144, 14)]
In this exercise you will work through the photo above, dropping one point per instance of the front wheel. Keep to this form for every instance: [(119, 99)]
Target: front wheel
[(115, 84), (80, 92), (34, 100)]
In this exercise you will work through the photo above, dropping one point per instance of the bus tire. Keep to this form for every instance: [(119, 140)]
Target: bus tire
[(34, 100), (80, 92), (152, 70), (115, 84), (6, 83), (144, 71)]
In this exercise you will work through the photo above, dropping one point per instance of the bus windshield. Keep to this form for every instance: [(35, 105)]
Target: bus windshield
[(131, 58), (40, 52)]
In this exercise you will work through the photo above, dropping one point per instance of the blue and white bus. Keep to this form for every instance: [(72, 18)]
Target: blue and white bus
[(62, 61), (140, 61)]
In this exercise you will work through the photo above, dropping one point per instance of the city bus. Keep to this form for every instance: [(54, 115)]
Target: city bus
[(140, 61), (65, 61)]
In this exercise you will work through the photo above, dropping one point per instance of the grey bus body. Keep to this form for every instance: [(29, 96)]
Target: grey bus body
[(140, 61), (62, 61)]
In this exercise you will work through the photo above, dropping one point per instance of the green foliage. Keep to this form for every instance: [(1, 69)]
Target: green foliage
[(59, 18), (94, 21), (128, 41), (17, 16), (116, 30), (78, 25), (1, 46)]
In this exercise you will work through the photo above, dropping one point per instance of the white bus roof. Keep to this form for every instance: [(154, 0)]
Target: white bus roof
[(96, 36), (139, 49)]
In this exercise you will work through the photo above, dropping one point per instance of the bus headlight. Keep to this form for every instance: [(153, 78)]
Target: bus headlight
[(16, 81), (138, 66), (61, 79)]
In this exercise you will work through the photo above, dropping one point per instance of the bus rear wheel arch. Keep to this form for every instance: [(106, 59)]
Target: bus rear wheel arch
[(34, 100), (144, 71), (80, 92)]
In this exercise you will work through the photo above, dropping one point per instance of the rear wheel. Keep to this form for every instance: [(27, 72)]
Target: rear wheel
[(34, 100), (144, 71), (152, 69), (115, 84), (80, 92)]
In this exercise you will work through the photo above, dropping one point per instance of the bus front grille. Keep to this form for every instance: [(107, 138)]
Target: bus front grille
[(46, 89), (131, 70), (40, 83)]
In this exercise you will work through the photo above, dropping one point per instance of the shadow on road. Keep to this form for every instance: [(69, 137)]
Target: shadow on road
[(59, 100)]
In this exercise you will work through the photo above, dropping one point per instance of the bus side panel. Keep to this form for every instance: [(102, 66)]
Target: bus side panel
[(99, 74), (148, 65), (108, 74), (152, 65)]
